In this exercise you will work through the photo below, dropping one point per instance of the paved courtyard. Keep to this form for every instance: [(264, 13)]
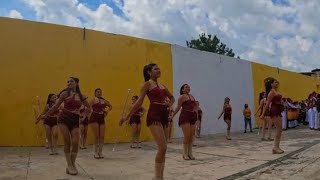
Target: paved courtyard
[(244, 157)]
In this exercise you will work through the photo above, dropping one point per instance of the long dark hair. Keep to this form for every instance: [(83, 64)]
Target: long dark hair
[(77, 89), (261, 96), (268, 85), (146, 70), (181, 89), (49, 103)]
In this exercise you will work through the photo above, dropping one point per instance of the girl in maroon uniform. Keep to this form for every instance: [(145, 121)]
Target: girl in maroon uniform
[(135, 122), (275, 99), (51, 124), (227, 113), (199, 119), (157, 118), (97, 122), (187, 119), (267, 122), (83, 128), (69, 120)]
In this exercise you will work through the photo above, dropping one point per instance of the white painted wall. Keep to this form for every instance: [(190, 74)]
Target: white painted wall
[(212, 78)]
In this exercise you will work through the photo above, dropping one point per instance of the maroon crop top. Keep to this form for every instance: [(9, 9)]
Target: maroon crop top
[(157, 95), (189, 105), (72, 104), (99, 107), (227, 110)]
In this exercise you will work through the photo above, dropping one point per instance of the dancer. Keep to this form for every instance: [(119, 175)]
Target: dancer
[(315, 111), (247, 118), (97, 122), (84, 120), (267, 122), (199, 119), (170, 125), (69, 120), (227, 114), (51, 124), (275, 99), (311, 114), (135, 122), (284, 113), (187, 120), (303, 112), (318, 108), (157, 117)]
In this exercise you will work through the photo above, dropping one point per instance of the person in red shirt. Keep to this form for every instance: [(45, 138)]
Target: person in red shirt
[(157, 117), (227, 114), (100, 109), (275, 99)]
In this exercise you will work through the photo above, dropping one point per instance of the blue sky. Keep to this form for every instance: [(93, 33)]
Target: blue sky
[(281, 33)]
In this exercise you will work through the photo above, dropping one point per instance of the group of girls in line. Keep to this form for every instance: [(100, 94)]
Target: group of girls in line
[(75, 108), (159, 117)]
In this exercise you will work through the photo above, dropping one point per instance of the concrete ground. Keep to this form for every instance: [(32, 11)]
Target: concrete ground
[(244, 157)]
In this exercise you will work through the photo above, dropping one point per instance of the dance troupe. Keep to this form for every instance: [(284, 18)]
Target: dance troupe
[(70, 111)]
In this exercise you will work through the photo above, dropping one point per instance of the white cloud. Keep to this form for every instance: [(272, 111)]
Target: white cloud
[(15, 14), (286, 36)]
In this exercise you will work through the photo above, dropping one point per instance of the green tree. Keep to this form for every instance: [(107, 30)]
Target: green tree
[(210, 44)]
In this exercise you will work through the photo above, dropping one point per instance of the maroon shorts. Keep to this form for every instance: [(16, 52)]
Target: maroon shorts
[(85, 122), (97, 118), (71, 120), (187, 117), (275, 110), (135, 119), (51, 121), (158, 113), (227, 116)]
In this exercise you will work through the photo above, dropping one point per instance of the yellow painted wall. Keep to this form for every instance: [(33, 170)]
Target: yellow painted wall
[(37, 59), (293, 85)]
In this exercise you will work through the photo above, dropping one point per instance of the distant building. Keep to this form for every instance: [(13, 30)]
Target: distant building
[(313, 73)]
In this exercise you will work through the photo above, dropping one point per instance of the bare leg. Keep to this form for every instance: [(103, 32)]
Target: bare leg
[(101, 139), (192, 130), (186, 129), (158, 134), (81, 136), (134, 135), (75, 137), (85, 135), (269, 123), (228, 122), (67, 148), (55, 133), (277, 139), (49, 138), (95, 130), (138, 134)]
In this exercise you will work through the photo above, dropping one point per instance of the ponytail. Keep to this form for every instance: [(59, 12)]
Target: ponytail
[(49, 103), (80, 94), (268, 85)]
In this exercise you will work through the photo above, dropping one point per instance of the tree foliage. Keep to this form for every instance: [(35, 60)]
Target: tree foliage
[(210, 44)]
